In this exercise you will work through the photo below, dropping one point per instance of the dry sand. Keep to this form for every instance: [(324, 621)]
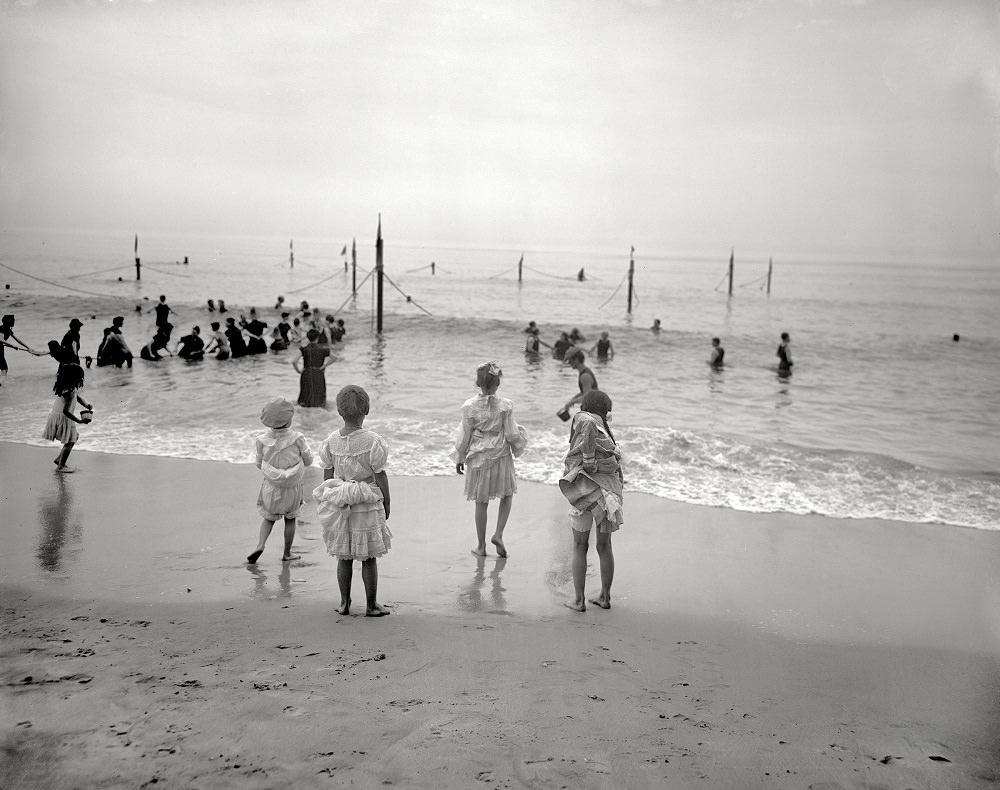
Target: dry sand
[(742, 651)]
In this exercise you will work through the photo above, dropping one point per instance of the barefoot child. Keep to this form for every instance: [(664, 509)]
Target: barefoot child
[(282, 455), (487, 442), (60, 426), (592, 482), (353, 500)]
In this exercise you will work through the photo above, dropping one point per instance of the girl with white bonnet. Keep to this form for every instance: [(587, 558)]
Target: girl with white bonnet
[(282, 455)]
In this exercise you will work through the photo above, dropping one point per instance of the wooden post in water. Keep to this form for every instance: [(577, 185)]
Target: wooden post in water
[(291, 255), (138, 266), (731, 254), (770, 264), (378, 277), (354, 268), (520, 265), (631, 276)]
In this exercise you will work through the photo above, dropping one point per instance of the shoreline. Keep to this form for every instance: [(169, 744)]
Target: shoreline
[(742, 650)]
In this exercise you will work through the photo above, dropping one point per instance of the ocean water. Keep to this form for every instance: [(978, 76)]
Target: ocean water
[(884, 416)]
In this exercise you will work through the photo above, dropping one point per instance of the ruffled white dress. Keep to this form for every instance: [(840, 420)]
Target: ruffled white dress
[(349, 505), (282, 455), (487, 442)]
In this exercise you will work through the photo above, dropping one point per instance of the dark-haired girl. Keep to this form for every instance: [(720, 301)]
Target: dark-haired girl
[(61, 425)]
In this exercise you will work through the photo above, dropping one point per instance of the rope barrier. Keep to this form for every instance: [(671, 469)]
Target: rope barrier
[(99, 271), (617, 287), (553, 276), (307, 287), (503, 272), (724, 278), (353, 294), (49, 282), (161, 271), (409, 298)]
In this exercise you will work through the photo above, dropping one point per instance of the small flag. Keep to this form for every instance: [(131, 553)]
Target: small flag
[(344, 251)]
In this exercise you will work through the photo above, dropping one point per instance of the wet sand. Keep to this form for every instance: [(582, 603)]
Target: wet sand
[(742, 650)]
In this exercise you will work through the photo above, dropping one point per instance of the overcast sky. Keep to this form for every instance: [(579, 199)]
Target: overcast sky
[(671, 126)]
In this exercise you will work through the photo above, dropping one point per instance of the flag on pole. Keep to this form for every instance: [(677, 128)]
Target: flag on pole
[(344, 251)]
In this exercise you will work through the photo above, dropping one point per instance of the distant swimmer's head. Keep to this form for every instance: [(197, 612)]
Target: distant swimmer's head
[(784, 336), (353, 402), (715, 341), (277, 412), (215, 326), (312, 335), (575, 356), (956, 338), (118, 320), (488, 376), (596, 402)]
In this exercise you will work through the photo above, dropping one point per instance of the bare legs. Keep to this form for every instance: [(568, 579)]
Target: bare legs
[(265, 531), (369, 575), (503, 513), (63, 457), (581, 543)]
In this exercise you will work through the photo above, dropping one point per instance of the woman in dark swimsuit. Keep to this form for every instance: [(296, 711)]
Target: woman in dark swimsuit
[(312, 380)]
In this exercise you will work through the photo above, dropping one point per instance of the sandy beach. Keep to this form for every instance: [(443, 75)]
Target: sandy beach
[(742, 650)]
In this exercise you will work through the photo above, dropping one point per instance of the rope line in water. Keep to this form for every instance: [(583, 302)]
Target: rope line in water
[(502, 273), (307, 287), (50, 282), (553, 276), (99, 271), (161, 271), (409, 298), (353, 294), (617, 287)]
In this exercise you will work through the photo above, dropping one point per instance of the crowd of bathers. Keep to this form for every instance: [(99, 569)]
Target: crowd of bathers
[(229, 338)]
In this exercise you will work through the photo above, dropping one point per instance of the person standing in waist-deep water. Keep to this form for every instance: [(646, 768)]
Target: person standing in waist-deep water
[(219, 344), (151, 351), (6, 335), (592, 482), (486, 444), (784, 354), (585, 380), (162, 310), (605, 350), (533, 341), (237, 345), (61, 425), (113, 349), (282, 456), (718, 354), (255, 330), (310, 366), (352, 502), (70, 346)]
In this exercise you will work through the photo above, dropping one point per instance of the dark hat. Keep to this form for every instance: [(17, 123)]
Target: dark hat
[(76, 323)]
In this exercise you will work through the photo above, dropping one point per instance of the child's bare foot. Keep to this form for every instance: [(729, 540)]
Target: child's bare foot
[(576, 606), (479, 551), (602, 601), (254, 556), (345, 607), (291, 558), (377, 611), (501, 549)]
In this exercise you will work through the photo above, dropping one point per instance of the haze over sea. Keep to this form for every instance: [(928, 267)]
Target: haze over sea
[(884, 416)]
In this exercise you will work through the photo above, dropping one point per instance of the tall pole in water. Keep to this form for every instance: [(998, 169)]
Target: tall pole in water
[(378, 278), (631, 276), (291, 255), (770, 264), (138, 267), (354, 267), (731, 254), (520, 265)]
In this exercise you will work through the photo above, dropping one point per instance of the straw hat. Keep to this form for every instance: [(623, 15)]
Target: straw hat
[(277, 413)]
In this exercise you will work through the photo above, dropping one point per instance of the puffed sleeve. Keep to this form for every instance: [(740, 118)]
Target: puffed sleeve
[(305, 451), (325, 456), (515, 434), (463, 436), (378, 455)]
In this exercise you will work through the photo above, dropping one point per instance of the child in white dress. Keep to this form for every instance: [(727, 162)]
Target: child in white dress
[(282, 455), (487, 442), (353, 500), (61, 425)]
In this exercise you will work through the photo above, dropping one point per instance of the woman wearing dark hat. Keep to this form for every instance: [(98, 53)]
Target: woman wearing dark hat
[(310, 367), (71, 344)]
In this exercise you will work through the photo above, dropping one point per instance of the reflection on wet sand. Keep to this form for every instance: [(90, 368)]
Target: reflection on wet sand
[(54, 511), (261, 590), (471, 598)]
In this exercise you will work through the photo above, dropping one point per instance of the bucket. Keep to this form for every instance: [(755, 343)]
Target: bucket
[(563, 414)]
